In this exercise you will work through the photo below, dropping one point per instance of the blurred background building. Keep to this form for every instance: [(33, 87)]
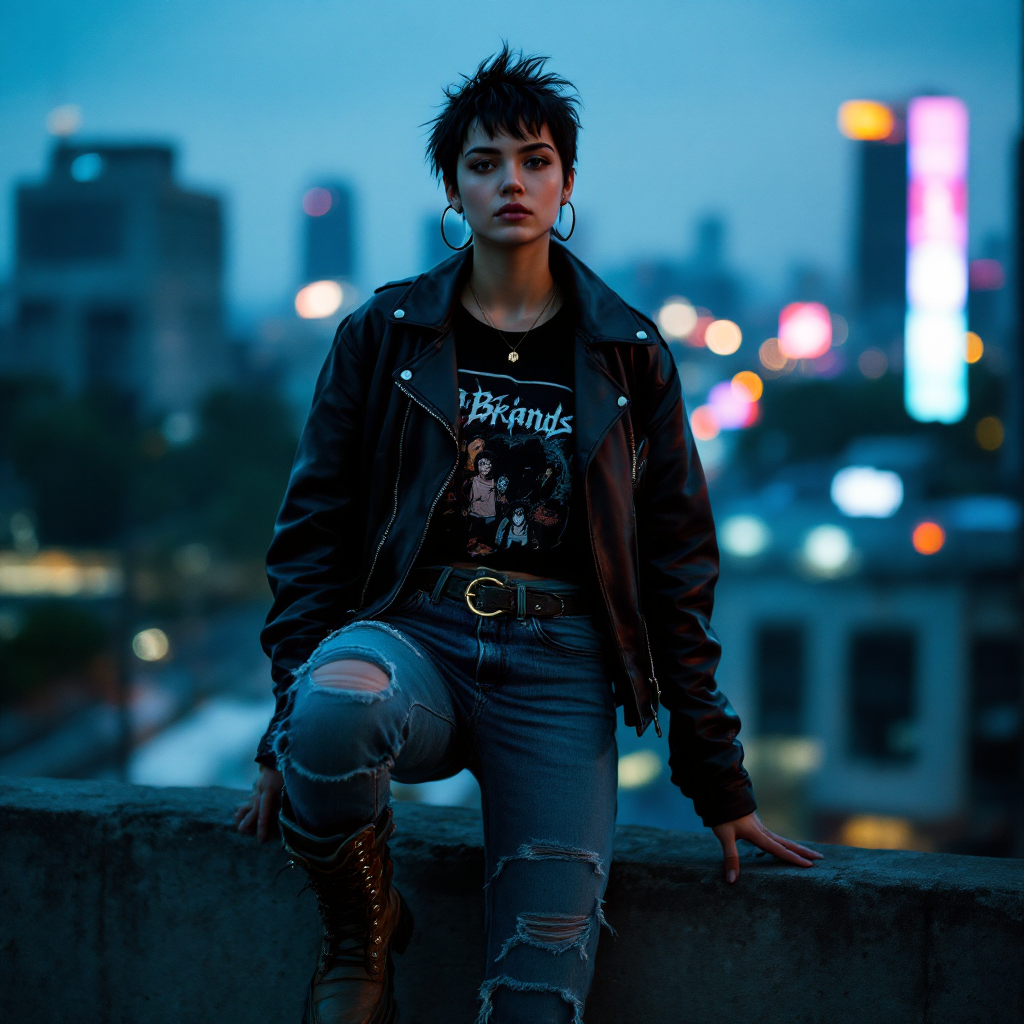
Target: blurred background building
[(118, 277), (869, 599)]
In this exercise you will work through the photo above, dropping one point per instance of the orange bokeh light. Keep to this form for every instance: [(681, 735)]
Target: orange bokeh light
[(866, 120), (975, 347), (928, 538), (749, 384)]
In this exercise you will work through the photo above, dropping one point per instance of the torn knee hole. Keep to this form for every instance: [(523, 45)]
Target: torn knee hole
[(488, 988), (538, 850), (352, 674)]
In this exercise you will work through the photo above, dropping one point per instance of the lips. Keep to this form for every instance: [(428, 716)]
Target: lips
[(513, 211)]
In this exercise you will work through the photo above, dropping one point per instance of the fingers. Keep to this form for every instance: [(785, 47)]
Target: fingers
[(789, 844), (247, 826), (732, 857), (764, 840), (267, 814)]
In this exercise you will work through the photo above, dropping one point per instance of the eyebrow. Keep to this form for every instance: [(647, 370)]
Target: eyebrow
[(523, 149)]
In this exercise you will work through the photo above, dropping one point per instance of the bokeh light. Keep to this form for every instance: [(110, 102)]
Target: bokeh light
[(771, 358), (865, 120), (319, 299), (704, 423), (638, 769), (744, 536), (989, 433), (805, 330), (863, 491), (975, 347), (317, 201), (828, 550), (677, 318), (733, 407), (872, 362), (928, 538), (934, 368), (750, 386), (723, 337), (87, 167), (878, 832), (986, 275), (151, 645), (696, 337), (64, 120)]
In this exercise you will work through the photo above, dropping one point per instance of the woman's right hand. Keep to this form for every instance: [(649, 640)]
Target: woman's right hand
[(258, 815)]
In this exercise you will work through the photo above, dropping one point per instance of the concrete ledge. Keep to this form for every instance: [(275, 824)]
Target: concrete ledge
[(128, 904)]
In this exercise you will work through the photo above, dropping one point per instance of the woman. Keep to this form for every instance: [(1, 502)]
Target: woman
[(496, 530)]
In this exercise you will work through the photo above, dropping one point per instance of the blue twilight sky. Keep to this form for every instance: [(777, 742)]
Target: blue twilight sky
[(690, 106)]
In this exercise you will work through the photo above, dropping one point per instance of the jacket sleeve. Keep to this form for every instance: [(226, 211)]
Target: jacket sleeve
[(678, 571), (313, 564)]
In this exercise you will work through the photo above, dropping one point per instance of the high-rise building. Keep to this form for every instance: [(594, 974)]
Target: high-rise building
[(118, 277), (881, 226), (329, 232)]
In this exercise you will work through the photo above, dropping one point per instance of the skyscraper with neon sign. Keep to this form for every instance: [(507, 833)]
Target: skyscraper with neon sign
[(935, 366)]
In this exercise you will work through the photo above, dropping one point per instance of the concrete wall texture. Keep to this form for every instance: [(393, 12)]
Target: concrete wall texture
[(127, 904)]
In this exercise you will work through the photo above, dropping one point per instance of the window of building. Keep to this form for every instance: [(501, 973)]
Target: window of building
[(70, 231), (107, 341), (35, 327), (995, 709), (780, 672), (882, 692)]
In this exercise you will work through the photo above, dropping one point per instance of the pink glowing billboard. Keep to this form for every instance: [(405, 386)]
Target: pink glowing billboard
[(935, 339)]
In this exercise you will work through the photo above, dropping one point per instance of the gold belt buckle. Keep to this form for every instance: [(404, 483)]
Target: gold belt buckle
[(470, 595)]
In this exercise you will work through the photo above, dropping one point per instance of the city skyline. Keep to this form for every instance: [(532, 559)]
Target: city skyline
[(262, 112)]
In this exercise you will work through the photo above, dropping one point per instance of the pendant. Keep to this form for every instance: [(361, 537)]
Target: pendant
[(513, 357)]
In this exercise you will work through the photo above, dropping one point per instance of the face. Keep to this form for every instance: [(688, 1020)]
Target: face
[(484, 467), (511, 190)]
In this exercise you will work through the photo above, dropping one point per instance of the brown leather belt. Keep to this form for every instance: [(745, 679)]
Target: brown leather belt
[(493, 595)]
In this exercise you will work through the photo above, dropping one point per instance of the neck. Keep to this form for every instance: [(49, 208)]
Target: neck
[(512, 283)]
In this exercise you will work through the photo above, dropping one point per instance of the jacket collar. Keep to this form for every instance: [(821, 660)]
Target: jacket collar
[(601, 314)]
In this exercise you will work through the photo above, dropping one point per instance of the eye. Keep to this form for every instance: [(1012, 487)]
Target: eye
[(536, 162), (481, 165)]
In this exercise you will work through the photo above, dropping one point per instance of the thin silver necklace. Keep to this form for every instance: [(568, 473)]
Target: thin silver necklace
[(513, 355)]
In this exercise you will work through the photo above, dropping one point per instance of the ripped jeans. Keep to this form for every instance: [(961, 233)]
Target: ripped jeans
[(526, 705)]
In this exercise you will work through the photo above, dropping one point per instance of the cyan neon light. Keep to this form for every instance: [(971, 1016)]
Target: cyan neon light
[(935, 339)]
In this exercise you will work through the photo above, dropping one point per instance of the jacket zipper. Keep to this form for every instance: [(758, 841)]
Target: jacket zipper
[(394, 510), (647, 640), (433, 504)]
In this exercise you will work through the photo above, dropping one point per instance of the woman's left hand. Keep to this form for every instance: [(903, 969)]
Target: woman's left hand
[(750, 828)]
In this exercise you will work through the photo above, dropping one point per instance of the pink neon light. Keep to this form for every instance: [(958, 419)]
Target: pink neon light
[(937, 198), (805, 330), (935, 366), (732, 411)]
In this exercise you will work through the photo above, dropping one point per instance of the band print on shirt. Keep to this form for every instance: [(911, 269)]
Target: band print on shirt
[(510, 494)]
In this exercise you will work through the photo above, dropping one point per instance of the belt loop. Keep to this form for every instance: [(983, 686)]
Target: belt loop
[(438, 592), (520, 601)]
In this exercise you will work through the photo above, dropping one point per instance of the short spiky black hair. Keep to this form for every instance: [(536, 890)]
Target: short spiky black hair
[(510, 94)]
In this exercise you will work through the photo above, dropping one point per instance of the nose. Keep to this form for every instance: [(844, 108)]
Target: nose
[(512, 186)]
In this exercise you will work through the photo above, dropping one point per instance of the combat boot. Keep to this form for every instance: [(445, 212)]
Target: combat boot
[(364, 920)]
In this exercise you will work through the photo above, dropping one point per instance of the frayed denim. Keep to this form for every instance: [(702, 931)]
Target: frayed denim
[(527, 706)]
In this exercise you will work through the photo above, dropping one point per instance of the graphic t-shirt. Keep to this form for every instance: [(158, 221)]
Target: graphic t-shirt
[(510, 504)]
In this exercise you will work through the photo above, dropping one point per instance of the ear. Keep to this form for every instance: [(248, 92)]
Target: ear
[(451, 191), (570, 181)]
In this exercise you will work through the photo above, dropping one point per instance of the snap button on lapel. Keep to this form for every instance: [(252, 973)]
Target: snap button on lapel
[(622, 400), (406, 375), (642, 335), (399, 313)]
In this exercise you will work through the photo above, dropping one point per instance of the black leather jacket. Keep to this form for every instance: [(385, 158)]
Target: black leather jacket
[(379, 449)]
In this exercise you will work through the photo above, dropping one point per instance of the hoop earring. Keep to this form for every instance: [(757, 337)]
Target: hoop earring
[(457, 248), (554, 231)]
